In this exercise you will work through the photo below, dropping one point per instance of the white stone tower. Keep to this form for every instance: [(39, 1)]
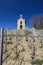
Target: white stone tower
[(21, 23)]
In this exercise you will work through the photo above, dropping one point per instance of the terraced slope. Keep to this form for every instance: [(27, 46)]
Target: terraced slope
[(23, 48)]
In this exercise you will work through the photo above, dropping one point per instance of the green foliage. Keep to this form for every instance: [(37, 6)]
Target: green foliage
[(37, 62), (5, 51), (7, 55), (9, 42), (30, 45), (33, 53), (23, 49)]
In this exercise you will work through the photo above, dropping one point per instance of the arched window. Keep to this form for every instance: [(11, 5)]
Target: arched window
[(20, 22)]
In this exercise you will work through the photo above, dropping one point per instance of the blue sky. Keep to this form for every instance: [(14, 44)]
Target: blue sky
[(11, 9)]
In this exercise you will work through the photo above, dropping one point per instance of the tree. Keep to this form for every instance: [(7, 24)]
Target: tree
[(37, 22)]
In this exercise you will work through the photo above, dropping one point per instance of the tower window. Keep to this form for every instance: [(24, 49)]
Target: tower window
[(20, 26), (20, 22)]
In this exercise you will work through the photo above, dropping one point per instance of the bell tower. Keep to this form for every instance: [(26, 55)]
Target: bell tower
[(21, 23)]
